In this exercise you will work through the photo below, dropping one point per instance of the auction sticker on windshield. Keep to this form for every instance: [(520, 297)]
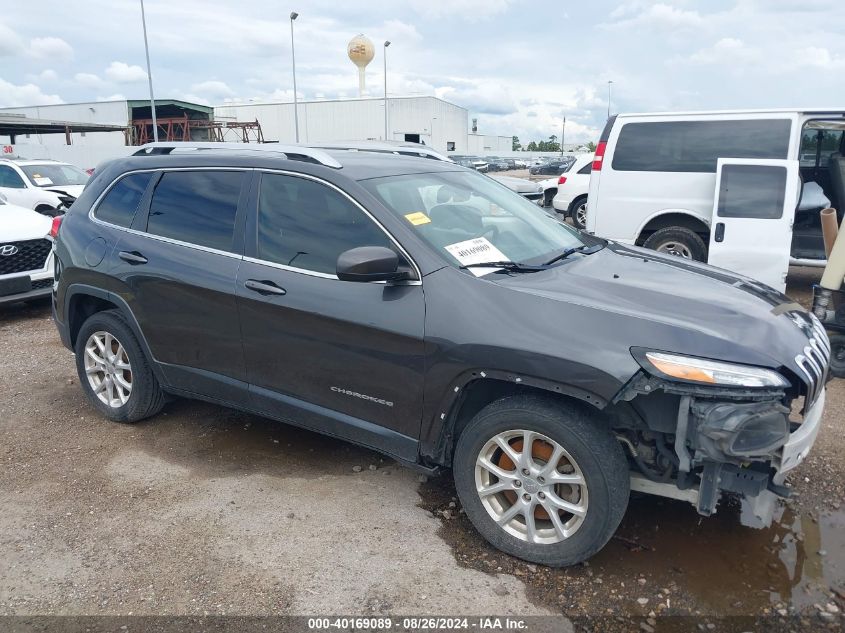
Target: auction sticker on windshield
[(476, 251)]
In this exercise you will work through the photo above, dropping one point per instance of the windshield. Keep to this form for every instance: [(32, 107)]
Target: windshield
[(52, 175), (469, 218)]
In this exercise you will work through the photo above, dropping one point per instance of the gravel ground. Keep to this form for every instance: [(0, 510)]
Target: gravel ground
[(203, 510)]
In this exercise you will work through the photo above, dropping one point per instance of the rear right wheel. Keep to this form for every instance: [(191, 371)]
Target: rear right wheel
[(578, 213), (837, 355), (678, 241)]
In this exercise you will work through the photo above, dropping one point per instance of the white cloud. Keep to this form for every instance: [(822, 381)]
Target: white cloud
[(470, 9), (400, 30), (124, 73), (817, 57), (659, 16), (213, 89), (115, 97), (728, 51), (479, 97), (10, 42), (27, 94), (50, 48), (88, 80), (45, 76)]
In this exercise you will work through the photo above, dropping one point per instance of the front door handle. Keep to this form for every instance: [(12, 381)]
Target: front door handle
[(264, 287), (719, 234), (132, 257)]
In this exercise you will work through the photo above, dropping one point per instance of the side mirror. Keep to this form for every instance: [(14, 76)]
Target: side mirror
[(369, 263)]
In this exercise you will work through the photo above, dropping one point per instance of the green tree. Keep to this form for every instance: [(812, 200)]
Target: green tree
[(532, 147), (591, 146), (516, 144)]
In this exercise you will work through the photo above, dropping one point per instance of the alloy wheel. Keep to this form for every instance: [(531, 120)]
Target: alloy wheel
[(531, 486), (108, 369), (581, 214)]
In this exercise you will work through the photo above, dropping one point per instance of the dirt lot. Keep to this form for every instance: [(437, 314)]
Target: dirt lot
[(203, 510)]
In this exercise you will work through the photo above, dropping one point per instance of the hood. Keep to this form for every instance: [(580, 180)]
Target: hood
[(520, 185), (670, 304), (19, 223), (72, 190)]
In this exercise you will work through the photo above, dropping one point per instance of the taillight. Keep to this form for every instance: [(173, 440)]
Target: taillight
[(561, 180), (599, 157), (54, 229)]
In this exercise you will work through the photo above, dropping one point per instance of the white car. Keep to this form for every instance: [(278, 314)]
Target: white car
[(26, 253), (572, 190), (47, 186)]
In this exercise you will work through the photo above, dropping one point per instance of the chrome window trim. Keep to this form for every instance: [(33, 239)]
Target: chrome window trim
[(161, 238), (314, 273)]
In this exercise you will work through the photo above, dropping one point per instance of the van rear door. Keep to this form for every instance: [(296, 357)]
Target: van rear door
[(753, 212)]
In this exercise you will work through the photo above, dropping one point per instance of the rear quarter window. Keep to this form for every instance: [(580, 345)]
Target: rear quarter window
[(120, 204), (695, 146)]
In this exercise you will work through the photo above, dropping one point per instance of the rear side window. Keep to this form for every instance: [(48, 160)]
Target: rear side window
[(695, 146), (197, 207), (586, 169), (752, 191), (121, 202), (305, 224)]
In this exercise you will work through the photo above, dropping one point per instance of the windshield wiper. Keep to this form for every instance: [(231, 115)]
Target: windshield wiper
[(506, 265), (586, 250)]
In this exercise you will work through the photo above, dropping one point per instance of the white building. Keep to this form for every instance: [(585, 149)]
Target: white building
[(439, 124)]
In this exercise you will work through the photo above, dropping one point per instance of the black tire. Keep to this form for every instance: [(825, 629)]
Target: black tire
[(837, 355), (146, 397), (548, 196), (588, 441), (573, 212), (680, 241)]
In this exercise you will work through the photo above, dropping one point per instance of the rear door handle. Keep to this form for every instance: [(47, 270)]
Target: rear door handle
[(264, 287), (719, 235), (132, 257)]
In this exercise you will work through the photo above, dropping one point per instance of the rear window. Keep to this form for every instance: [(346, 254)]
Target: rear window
[(197, 207), (121, 202), (695, 146)]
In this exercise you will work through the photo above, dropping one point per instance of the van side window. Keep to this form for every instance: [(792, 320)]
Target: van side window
[(197, 207), (695, 146), (752, 191), (122, 200), (821, 144), (305, 224)]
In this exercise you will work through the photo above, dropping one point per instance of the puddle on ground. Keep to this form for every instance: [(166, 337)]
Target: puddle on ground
[(666, 553)]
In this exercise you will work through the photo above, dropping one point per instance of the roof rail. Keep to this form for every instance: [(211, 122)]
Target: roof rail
[(293, 152), (385, 147)]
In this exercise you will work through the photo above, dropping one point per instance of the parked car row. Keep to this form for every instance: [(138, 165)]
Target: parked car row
[(552, 167)]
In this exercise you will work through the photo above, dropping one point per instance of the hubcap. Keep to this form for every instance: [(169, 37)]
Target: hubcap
[(108, 370), (531, 487), (677, 249), (581, 213)]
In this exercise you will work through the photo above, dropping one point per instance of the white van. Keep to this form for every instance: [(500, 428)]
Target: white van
[(659, 180)]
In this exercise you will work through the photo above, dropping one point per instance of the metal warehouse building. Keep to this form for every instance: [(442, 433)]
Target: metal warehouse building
[(439, 124)]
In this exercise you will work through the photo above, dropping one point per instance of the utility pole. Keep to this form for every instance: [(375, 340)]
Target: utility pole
[(149, 74), (386, 137), (293, 16), (609, 91), (562, 135)]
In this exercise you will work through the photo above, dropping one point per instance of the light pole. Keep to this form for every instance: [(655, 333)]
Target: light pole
[(562, 134), (386, 44), (149, 73), (293, 16), (609, 90)]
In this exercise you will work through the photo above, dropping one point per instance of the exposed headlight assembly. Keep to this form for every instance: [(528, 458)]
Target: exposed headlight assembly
[(709, 372)]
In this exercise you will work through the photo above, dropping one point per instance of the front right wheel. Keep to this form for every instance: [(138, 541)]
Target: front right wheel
[(541, 479)]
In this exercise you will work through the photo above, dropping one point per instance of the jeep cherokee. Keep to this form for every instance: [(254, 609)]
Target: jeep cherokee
[(413, 306)]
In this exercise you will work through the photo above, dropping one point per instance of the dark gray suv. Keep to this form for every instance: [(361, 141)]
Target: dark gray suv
[(414, 307)]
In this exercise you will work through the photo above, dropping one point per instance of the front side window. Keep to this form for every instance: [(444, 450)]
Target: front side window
[(121, 202), (465, 215), (51, 175), (752, 191), (197, 207), (819, 144), (10, 178), (695, 146), (305, 224)]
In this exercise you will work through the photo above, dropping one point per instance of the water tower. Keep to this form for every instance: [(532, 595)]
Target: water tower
[(361, 52)]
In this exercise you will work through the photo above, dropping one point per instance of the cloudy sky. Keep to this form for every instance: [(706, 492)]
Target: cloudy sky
[(519, 66)]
